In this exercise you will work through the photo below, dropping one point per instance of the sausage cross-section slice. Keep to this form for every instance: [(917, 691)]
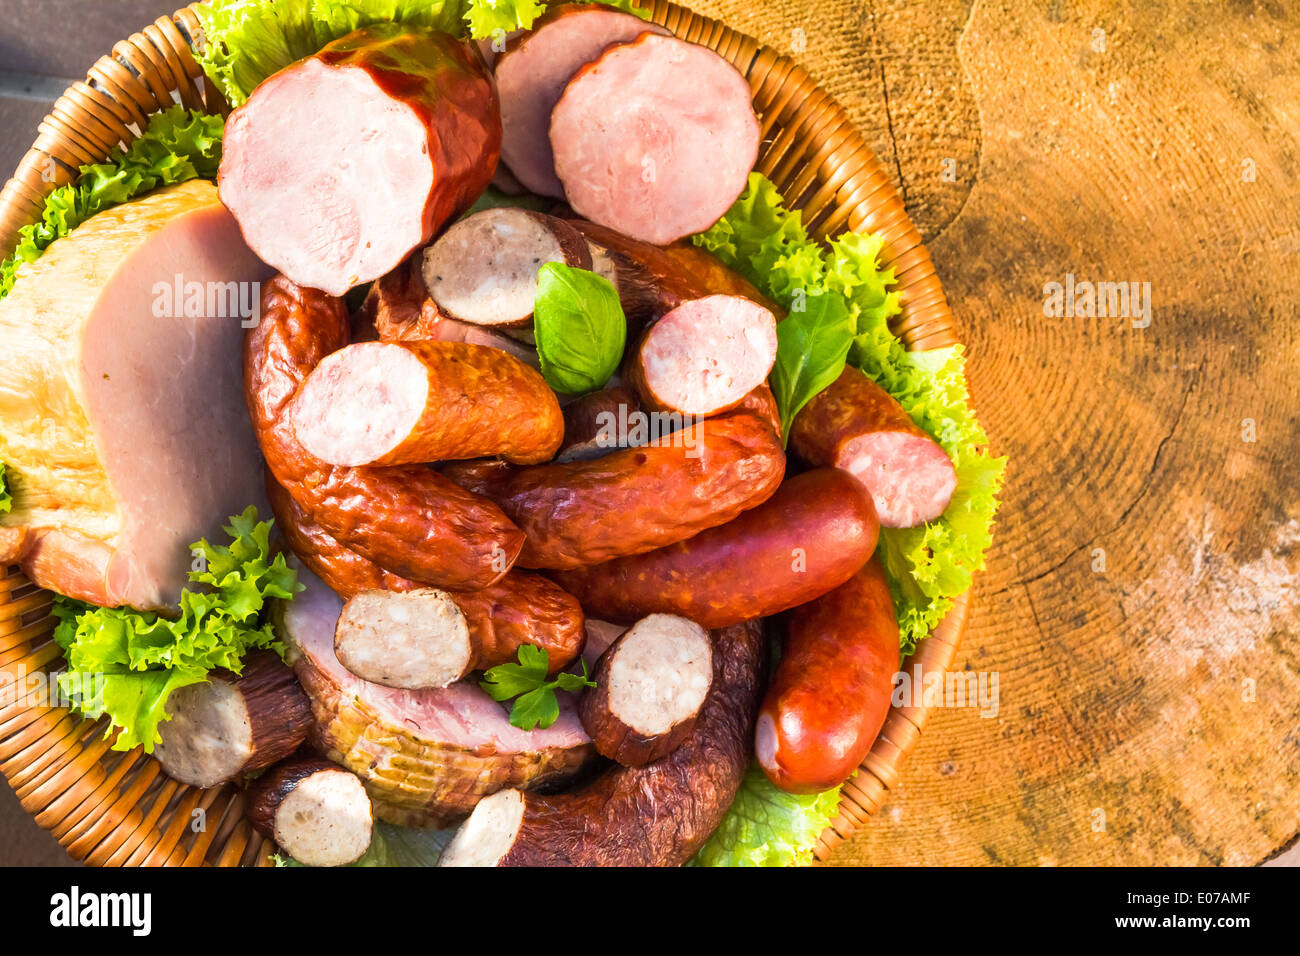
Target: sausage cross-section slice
[(832, 689), (483, 270), (655, 139), (858, 426), (378, 403), (340, 165), (424, 637), (233, 725), (519, 609), (811, 536), (705, 356), (650, 686), (656, 815), (532, 74), (316, 811)]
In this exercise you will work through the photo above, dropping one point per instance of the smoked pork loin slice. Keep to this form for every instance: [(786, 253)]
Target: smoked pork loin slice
[(122, 421)]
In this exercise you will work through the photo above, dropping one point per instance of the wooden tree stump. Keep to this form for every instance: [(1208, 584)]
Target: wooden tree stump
[(1140, 606)]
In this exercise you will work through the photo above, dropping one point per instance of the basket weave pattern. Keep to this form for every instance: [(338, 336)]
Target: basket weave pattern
[(110, 808)]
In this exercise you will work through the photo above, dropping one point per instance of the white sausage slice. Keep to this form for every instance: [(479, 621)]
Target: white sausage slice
[(483, 270)]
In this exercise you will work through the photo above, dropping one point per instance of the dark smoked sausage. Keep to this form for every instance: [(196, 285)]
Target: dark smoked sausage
[(519, 609), (656, 815)]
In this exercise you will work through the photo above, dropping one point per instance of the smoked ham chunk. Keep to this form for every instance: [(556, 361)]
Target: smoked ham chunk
[(121, 415)]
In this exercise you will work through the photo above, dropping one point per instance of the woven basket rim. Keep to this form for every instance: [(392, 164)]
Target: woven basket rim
[(94, 800)]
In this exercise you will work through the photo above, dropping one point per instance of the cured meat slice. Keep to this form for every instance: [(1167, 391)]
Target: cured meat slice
[(120, 419)]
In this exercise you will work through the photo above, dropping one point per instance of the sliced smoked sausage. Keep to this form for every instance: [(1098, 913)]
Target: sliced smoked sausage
[(809, 537), (858, 426), (533, 72), (409, 520), (656, 138), (704, 356), (377, 403), (519, 609), (341, 164)]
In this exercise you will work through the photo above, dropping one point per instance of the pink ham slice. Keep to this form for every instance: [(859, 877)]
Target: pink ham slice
[(340, 165), (655, 139), (533, 72), (122, 419), (426, 756)]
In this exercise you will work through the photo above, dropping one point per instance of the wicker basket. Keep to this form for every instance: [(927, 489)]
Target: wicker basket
[(110, 808)]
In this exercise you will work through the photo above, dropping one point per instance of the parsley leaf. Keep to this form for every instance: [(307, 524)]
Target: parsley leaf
[(535, 701)]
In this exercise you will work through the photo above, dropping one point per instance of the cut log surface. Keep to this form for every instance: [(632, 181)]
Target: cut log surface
[(1139, 608)]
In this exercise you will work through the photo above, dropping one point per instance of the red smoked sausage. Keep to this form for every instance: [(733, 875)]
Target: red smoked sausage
[(636, 499), (832, 689), (810, 537), (858, 426)]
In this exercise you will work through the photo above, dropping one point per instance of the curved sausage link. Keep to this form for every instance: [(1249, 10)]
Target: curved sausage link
[(410, 520)]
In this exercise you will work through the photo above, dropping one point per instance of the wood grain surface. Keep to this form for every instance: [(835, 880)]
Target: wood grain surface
[(1140, 607)]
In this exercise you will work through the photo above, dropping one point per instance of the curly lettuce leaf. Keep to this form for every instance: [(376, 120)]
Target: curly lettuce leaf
[(242, 42), (767, 826), (126, 663), (6, 499), (178, 145), (768, 244)]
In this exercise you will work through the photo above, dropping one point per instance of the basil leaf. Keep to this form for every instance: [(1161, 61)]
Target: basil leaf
[(580, 328), (811, 348)]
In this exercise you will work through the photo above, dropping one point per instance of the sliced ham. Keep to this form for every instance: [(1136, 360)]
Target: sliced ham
[(533, 72), (121, 417), (426, 756), (656, 138), (340, 165)]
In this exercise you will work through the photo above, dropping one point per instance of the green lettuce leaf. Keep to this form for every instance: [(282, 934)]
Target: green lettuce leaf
[(768, 244), (242, 42), (126, 663), (767, 826), (6, 499), (178, 145)]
